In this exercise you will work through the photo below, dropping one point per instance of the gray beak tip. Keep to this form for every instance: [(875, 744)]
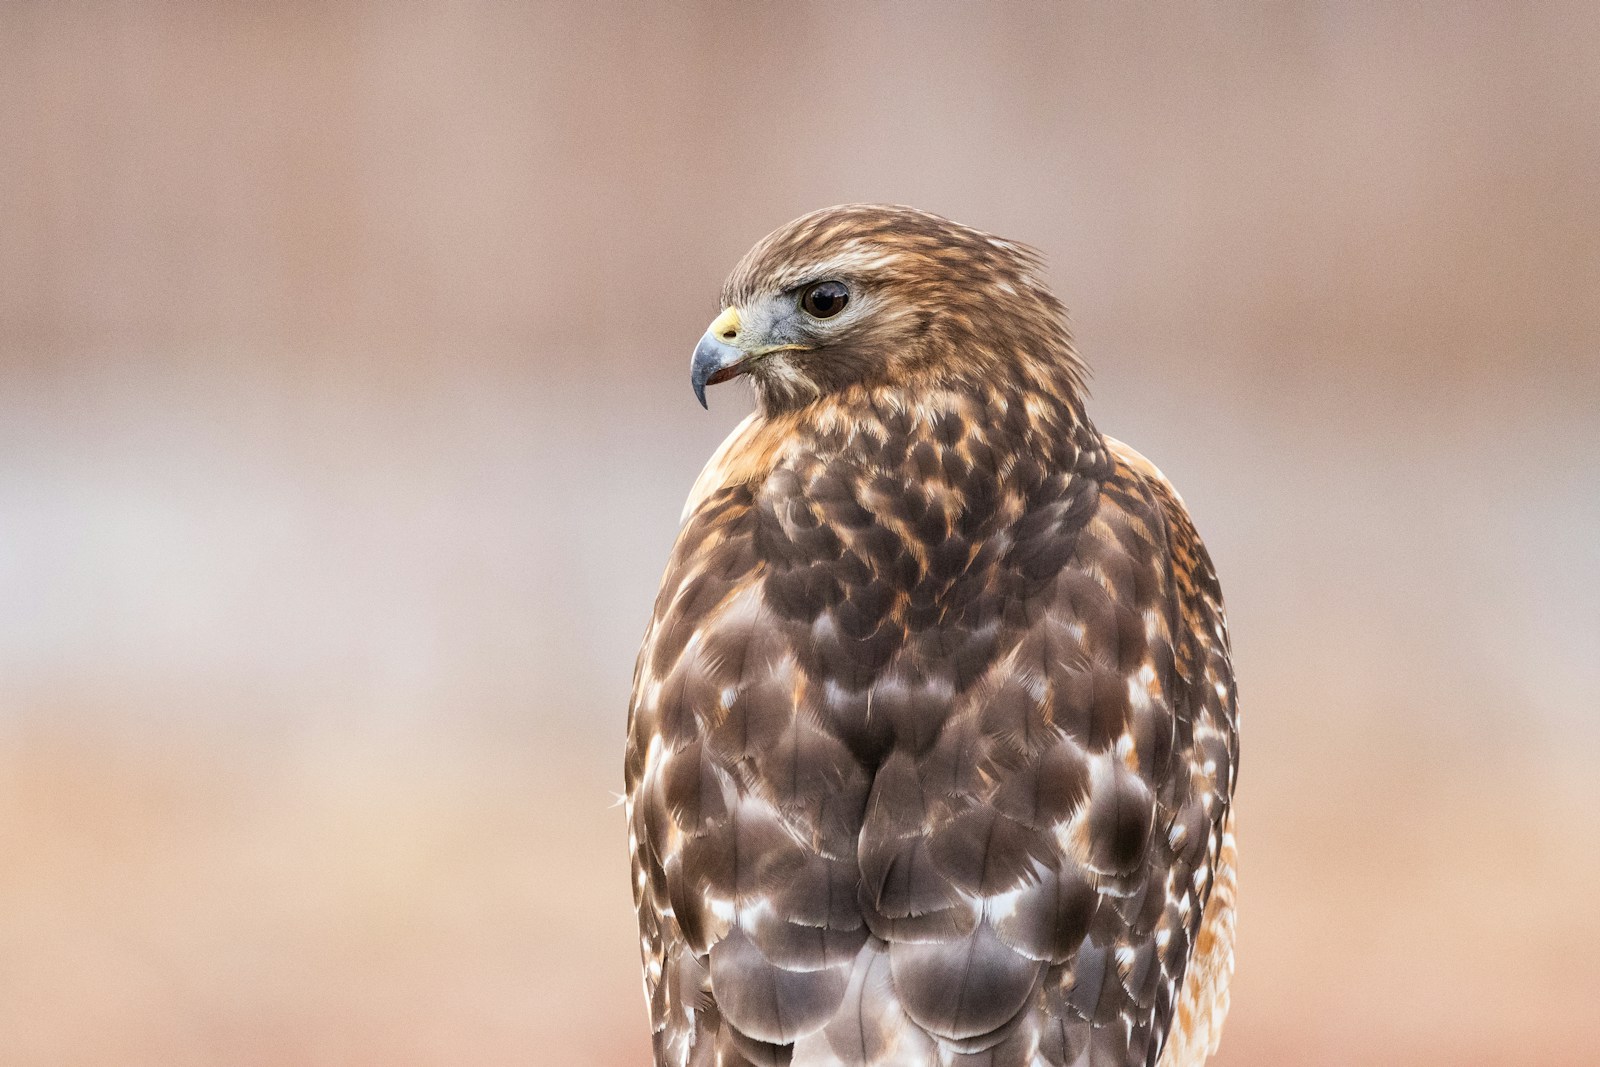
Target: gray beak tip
[(713, 362)]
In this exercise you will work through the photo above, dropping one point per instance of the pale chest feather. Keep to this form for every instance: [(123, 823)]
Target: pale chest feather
[(1203, 1004)]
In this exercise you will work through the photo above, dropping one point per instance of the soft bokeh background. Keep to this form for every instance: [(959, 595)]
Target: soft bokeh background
[(344, 422)]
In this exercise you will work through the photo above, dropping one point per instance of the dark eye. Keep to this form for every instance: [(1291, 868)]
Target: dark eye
[(824, 300)]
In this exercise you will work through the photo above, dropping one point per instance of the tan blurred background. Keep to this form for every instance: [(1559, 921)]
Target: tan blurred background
[(344, 421)]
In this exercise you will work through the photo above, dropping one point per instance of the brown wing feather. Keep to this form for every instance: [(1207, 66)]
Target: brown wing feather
[(931, 744)]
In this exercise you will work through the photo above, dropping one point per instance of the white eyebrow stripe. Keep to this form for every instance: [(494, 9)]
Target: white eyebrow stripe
[(854, 260)]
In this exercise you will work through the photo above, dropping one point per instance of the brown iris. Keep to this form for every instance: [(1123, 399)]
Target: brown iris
[(824, 300)]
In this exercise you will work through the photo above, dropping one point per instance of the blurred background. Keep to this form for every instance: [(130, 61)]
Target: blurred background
[(344, 423)]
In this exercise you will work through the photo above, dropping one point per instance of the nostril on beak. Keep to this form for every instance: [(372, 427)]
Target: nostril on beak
[(725, 327)]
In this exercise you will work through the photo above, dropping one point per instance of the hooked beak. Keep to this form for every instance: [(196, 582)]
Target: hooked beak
[(716, 359)]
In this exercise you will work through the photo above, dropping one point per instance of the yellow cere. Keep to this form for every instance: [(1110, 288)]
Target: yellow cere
[(725, 327)]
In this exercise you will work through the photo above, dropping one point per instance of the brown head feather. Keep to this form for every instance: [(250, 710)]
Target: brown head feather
[(945, 306)]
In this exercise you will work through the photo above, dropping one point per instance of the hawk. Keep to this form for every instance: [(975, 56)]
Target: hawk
[(933, 736)]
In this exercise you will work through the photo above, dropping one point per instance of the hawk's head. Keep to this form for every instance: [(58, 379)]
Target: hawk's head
[(867, 294)]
